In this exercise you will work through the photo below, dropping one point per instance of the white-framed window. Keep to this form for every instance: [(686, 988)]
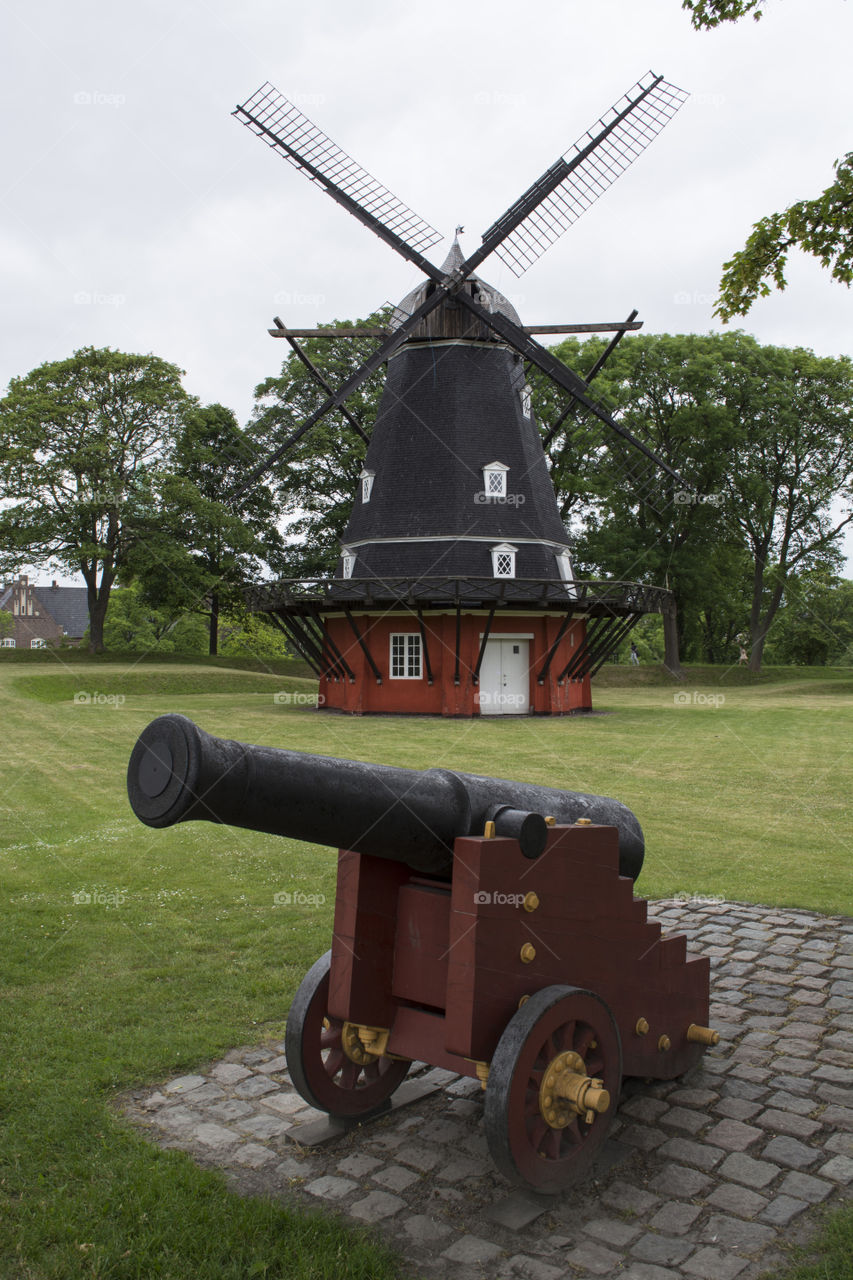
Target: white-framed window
[(494, 479), (503, 560), (405, 655), (525, 400), (8, 642), (348, 558), (37, 643), (366, 478)]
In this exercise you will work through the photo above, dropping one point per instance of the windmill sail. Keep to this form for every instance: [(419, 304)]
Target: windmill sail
[(283, 127), (577, 179)]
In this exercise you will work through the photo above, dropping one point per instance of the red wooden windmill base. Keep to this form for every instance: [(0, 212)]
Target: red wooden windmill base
[(543, 978)]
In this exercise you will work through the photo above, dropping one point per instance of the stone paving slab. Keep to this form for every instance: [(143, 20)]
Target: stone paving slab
[(703, 1177)]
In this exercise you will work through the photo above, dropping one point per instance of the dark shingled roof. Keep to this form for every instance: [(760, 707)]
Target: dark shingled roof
[(68, 606), (448, 410)]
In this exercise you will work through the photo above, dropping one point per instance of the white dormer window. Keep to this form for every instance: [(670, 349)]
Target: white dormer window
[(525, 400), (348, 558), (503, 560), (494, 480), (366, 478)]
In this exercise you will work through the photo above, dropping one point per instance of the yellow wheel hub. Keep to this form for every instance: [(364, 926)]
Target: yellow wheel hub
[(567, 1091), (353, 1047)]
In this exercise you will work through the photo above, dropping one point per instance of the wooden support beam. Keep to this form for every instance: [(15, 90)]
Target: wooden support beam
[(487, 629), (360, 638), (373, 331), (543, 674)]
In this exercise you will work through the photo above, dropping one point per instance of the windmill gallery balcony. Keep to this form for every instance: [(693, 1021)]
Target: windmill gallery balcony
[(456, 646)]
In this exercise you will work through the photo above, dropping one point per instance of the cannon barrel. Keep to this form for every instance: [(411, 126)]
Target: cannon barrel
[(178, 773)]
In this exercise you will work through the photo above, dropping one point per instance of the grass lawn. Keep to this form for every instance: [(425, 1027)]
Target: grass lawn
[(181, 953)]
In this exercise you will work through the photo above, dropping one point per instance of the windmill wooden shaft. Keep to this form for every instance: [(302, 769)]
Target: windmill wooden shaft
[(455, 592)]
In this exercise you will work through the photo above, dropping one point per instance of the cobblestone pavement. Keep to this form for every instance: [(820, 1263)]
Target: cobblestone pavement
[(703, 1177)]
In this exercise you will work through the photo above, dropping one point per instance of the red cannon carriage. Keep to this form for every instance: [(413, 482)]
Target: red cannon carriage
[(485, 926)]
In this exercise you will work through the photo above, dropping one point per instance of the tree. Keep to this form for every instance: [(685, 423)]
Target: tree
[(821, 226), (764, 435), (205, 546), (7, 623), (317, 478), (136, 626), (815, 623), (670, 391), (82, 442), (795, 458)]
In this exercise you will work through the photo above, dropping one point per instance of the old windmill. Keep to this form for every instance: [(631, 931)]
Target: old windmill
[(454, 593)]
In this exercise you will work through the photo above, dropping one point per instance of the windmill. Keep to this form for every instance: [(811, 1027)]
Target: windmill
[(455, 592)]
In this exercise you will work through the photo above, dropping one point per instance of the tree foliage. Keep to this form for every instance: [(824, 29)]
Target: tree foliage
[(815, 624), (316, 480), (705, 14), (821, 226), (204, 546), (82, 440), (135, 625), (793, 460), (764, 438)]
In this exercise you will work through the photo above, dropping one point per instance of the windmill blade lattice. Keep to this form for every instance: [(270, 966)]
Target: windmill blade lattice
[(285, 129), (594, 162)]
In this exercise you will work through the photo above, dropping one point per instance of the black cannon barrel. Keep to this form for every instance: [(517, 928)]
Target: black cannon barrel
[(178, 773)]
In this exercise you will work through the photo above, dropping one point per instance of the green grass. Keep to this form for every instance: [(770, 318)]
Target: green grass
[(187, 954)]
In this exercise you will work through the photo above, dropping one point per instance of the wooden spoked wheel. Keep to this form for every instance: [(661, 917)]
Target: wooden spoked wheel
[(553, 1087), (319, 1049)]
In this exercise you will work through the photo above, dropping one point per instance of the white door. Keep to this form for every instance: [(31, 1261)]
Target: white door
[(505, 678)]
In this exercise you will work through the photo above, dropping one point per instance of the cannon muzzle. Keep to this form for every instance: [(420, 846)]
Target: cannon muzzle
[(179, 773)]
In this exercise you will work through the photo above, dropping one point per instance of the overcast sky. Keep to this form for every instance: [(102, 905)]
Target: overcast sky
[(136, 213)]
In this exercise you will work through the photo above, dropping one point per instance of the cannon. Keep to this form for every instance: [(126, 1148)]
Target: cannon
[(481, 925)]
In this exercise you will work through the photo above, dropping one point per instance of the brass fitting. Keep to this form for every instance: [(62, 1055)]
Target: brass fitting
[(702, 1035), (550, 821), (583, 822), (489, 831), (482, 1073), (523, 1000), (363, 1044), (531, 901), (567, 1091), (664, 1044), (527, 953), (642, 1027)]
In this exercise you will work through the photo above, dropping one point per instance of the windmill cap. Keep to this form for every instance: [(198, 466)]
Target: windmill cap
[(489, 296)]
